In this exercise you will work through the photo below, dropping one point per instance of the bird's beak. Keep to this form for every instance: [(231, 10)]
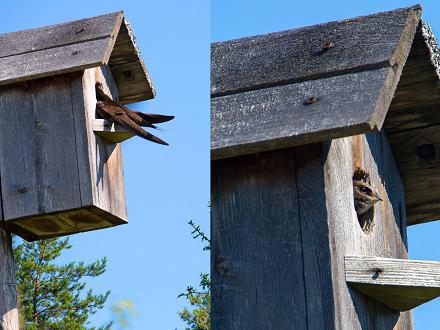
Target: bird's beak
[(379, 199)]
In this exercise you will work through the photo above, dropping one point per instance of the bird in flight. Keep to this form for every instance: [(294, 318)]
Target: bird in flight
[(129, 119)]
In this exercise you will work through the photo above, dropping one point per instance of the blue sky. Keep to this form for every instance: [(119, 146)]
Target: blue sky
[(153, 258), (234, 19)]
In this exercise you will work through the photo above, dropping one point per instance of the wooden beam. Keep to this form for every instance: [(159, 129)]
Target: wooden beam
[(8, 293), (296, 55), (397, 283), (301, 113), (54, 36), (53, 61)]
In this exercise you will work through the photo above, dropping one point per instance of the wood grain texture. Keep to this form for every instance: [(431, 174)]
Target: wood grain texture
[(280, 117), (388, 238), (53, 36), (128, 69), (106, 167), (133, 81), (53, 61), (412, 123), (8, 293), (75, 46), (295, 55), (417, 153), (302, 199), (257, 267), (400, 284), (39, 172), (111, 132)]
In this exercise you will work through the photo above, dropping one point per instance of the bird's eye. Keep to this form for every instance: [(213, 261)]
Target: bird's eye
[(365, 190)]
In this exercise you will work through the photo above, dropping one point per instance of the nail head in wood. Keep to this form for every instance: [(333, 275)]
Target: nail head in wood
[(311, 100)]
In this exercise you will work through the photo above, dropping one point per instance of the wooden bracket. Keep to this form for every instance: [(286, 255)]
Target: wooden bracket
[(397, 283), (110, 131)]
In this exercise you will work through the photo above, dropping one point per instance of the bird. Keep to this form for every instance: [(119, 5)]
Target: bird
[(129, 119), (365, 196)]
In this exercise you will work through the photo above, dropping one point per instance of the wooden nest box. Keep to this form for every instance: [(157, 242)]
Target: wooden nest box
[(60, 168), (297, 118)]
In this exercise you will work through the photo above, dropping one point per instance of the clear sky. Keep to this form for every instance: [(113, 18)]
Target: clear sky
[(232, 19), (153, 258)]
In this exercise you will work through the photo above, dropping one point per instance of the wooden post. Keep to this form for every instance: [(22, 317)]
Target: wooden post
[(8, 293)]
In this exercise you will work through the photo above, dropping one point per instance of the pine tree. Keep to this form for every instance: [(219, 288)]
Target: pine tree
[(198, 317), (52, 295)]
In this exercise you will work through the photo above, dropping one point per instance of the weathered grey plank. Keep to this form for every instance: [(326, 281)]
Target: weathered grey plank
[(8, 293), (83, 153), (278, 58), (53, 36), (53, 61), (314, 237), (18, 170), (398, 283), (342, 156), (417, 153), (105, 158), (38, 175), (129, 71), (279, 117), (133, 81), (256, 259)]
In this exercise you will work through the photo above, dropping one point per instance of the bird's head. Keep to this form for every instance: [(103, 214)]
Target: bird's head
[(366, 192)]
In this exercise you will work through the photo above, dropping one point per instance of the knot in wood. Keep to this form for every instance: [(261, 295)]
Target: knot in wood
[(22, 190), (80, 30), (327, 45), (75, 52), (127, 74), (427, 152), (222, 266), (311, 100)]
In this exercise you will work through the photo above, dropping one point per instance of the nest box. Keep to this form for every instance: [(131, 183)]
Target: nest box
[(298, 118), (61, 167)]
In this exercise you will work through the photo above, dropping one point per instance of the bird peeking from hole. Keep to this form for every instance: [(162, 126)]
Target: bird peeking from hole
[(365, 196), (126, 118)]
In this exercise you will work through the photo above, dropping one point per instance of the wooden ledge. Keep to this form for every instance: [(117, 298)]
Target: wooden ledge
[(110, 131), (397, 283)]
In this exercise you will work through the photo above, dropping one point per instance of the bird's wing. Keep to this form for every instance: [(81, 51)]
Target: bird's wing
[(153, 118), (119, 117)]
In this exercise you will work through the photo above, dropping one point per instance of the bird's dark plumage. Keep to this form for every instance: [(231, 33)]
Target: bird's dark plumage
[(129, 119)]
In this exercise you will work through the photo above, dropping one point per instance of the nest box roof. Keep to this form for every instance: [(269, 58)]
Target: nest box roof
[(334, 80), (74, 46)]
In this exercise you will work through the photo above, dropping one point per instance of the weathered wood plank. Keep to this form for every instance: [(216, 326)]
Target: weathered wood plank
[(256, 259), (8, 293), (133, 81), (280, 117), (53, 61), (125, 49), (295, 55), (53, 36), (38, 175), (105, 158), (110, 131), (342, 157), (314, 237), (418, 155), (400, 284)]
